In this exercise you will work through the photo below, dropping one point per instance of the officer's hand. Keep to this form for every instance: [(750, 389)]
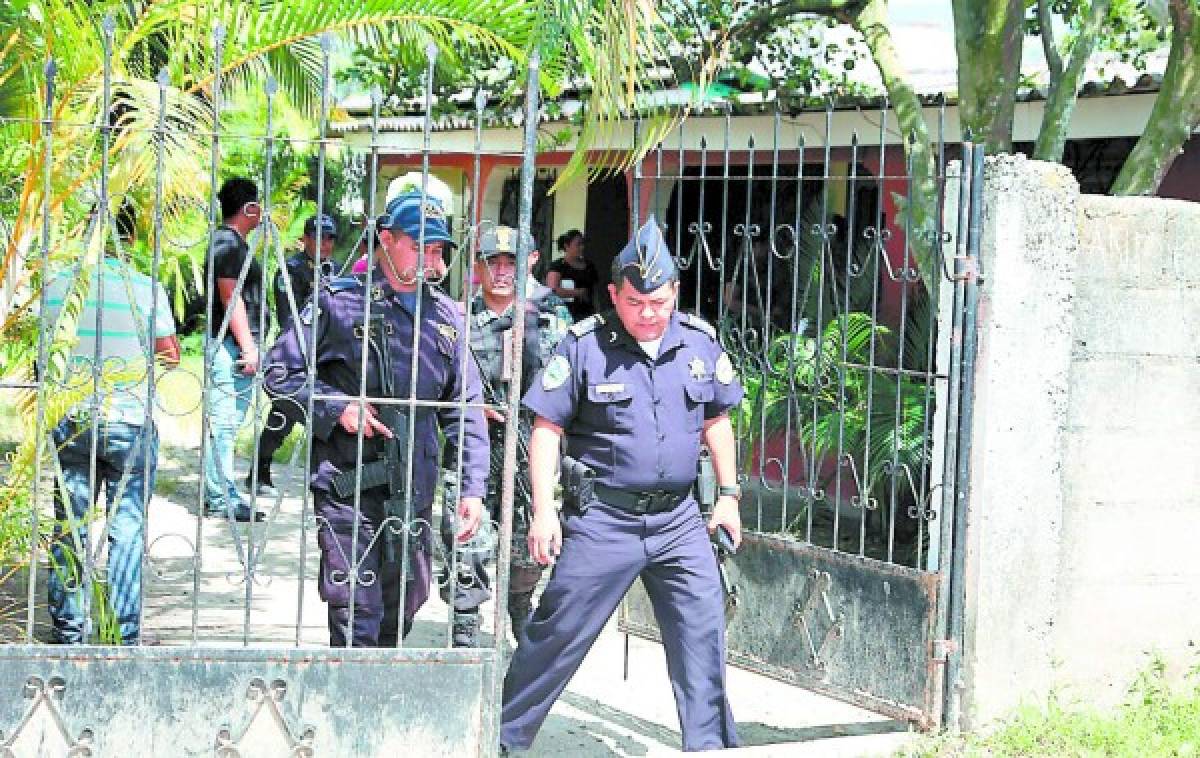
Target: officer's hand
[(545, 536), (470, 511), (249, 362), (725, 513), (494, 415), (351, 420)]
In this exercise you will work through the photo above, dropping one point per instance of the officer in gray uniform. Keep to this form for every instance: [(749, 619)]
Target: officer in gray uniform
[(491, 316), (362, 549), (633, 391)]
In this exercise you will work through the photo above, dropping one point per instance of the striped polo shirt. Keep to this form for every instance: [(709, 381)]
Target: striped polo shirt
[(116, 318)]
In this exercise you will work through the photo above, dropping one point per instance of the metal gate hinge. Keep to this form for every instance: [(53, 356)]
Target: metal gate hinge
[(943, 648)]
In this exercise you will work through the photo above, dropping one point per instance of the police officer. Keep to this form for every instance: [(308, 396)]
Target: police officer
[(365, 573), (634, 391), (293, 287), (491, 314)]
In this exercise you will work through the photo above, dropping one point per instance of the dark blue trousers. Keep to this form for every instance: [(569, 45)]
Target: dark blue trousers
[(604, 550), (383, 608)]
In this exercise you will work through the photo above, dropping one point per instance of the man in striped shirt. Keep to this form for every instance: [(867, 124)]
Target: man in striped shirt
[(124, 319)]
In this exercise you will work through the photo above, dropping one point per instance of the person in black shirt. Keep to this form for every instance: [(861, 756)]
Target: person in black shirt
[(293, 288), (573, 277), (237, 323)]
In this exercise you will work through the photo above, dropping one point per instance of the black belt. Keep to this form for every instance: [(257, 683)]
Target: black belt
[(641, 502)]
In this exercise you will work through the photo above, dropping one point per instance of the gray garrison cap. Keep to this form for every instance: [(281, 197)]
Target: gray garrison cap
[(645, 261), (499, 240)]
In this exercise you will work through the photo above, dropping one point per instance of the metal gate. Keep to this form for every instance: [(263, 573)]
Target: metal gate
[(230, 650), (841, 274)]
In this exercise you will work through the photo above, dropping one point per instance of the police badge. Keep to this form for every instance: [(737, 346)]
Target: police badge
[(724, 369)]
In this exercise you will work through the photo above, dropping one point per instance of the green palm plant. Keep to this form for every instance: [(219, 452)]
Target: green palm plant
[(611, 43)]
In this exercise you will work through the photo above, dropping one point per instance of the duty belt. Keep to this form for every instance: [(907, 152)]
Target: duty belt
[(641, 502)]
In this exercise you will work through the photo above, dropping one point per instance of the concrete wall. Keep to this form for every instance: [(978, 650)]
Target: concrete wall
[(1028, 254), (1129, 574), (1085, 500)]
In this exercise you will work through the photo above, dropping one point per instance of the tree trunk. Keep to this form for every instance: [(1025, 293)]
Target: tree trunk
[(871, 23), (988, 36), (1176, 110), (1064, 89)]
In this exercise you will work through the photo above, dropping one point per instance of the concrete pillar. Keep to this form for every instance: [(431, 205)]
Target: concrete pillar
[(1028, 254)]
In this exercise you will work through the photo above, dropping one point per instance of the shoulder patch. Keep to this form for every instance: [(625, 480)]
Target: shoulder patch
[(698, 324), (448, 331), (343, 283), (587, 326)]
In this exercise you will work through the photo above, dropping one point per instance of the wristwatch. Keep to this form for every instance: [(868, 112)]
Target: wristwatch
[(730, 490)]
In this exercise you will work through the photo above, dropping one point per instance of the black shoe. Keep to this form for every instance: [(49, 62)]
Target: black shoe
[(241, 512), (265, 487)]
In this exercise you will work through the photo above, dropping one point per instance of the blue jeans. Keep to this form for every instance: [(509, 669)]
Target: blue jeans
[(122, 452), (229, 393)]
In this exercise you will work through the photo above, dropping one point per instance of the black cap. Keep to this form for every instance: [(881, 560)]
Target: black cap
[(328, 226)]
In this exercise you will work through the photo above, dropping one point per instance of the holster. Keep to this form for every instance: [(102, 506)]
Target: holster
[(578, 483)]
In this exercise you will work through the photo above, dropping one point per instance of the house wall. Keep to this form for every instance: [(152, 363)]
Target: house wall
[(1183, 180)]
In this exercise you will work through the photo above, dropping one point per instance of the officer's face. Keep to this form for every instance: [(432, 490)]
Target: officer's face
[(645, 315), (497, 274), (403, 258), (310, 245)]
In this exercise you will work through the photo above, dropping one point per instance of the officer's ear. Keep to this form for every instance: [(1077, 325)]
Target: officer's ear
[(534, 256)]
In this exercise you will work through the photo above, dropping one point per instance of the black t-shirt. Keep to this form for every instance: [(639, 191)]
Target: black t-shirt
[(583, 278), (229, 252)]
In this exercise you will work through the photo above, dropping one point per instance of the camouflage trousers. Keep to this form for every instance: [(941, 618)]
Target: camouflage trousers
[(473, 584)]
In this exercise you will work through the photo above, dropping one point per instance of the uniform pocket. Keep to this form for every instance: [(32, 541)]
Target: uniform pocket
[(612, 405)]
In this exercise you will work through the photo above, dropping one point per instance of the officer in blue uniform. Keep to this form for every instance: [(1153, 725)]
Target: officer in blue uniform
[(293, 287), (400, 303), (634, 392)]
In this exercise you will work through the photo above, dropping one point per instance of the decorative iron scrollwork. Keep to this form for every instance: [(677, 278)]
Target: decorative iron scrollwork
[(814, 611), (250, 739), (42, 717)]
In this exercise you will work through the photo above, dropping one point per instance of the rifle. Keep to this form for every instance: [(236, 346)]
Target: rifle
[(390, 467), (723, 548)]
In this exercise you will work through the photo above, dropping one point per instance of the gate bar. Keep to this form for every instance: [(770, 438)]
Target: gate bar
[(946, 532), (958, 591)]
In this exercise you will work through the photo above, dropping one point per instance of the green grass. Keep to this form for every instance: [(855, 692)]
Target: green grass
[(1157, 719)]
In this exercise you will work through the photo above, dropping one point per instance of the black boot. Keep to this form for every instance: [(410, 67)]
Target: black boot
[(520, 607), (465, 630)]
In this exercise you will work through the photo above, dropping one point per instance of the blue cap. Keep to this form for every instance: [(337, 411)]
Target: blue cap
[(328, 226), (404, 213), (645, 261)]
